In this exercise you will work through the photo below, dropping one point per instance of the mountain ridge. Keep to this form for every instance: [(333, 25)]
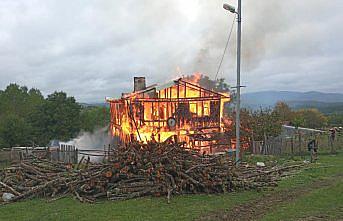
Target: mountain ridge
[(311, 99)]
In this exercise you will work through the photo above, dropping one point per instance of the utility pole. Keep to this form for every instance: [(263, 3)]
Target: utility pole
[(238, 104), (238, 86)]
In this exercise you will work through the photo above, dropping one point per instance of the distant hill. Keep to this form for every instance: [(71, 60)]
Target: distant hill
[(324, 107), (325, 102), (94, 104)]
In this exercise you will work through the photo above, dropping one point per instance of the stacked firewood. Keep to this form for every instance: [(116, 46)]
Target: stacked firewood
[(134, 171)]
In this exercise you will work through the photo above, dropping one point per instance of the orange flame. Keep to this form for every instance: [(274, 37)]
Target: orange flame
[(196, 111)]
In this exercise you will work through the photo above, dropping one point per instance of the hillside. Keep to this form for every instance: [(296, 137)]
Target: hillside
[(325, 102)]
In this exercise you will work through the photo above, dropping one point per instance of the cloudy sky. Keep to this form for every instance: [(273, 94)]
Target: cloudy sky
[(92, 48)]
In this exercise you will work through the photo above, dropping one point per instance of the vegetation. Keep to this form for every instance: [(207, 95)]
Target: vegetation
[(326, 108), (27, 118), (94, 117), (312, 118), (335, 119), (58, 117), (216, 85), (322, 200), (267, 122)]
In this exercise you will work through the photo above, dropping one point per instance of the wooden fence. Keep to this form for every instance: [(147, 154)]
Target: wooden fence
[(5, 157), (295, 145), (63, 153)]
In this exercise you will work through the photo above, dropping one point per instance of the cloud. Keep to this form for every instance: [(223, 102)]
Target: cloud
[(92, 49)]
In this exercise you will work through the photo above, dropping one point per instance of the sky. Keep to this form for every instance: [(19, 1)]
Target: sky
[(92, 49)]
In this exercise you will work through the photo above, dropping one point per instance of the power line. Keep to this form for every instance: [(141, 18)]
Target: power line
[(227, 43)]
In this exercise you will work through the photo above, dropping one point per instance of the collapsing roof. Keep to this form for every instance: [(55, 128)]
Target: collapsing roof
[(180, 110), (141, 89)]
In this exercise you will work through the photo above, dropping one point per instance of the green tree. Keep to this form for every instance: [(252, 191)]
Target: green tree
[(93, 118), (284, 112), (265, 123), (218, 85), (16, 106), (206, 82), (312, 118), (58, 118), (14, 131), (221, 85), (335, 119), (19, 100)]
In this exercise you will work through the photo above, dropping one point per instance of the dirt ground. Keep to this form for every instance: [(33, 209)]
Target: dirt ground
[(255, 210)]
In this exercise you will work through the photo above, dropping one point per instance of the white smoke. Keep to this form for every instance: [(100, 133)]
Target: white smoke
[(92, 143)]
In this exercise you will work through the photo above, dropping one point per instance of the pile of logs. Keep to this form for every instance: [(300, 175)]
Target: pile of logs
[(134, 171)]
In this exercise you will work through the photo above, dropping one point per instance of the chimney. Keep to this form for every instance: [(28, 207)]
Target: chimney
[(139, 84)]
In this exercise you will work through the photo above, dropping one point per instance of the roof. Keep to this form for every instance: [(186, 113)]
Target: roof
[(159, 87)]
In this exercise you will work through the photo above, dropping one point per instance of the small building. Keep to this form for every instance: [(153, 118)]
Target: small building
[(180, 110)]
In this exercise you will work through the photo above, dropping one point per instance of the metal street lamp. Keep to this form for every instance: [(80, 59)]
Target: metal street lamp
[(229, 8), (238, 86)]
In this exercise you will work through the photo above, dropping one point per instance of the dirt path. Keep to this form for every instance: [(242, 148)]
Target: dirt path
[(256, 209)]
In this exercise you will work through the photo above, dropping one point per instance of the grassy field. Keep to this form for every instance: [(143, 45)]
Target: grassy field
[(324, 200)]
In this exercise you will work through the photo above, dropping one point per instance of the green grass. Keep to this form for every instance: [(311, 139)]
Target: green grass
[(322, 202), (326, 166), (186, 207), (180, 208), (325, 201)]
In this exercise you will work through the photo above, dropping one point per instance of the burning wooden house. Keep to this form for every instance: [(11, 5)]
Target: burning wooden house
[(179, 111)]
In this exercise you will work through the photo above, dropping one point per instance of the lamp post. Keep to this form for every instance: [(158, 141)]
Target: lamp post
[(238, 86)]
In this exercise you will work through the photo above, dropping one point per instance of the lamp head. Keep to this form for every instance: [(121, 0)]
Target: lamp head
[(229, 8)]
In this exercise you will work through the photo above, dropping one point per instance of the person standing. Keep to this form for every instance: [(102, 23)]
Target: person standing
[(332, 137), (312, 146)]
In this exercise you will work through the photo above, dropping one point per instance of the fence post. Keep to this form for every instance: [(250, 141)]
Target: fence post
[(108, 153), (104, 153), (281, 146), (299, 144), (63, 153), (292, 147), (76, 155), (69, 154)]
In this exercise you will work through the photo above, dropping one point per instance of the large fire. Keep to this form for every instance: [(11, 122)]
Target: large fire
[(179, 111)]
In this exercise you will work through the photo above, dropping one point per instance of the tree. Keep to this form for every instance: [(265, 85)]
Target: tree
[(335, 119), (16, 106), (265, 123), (14, 131), (93, 118), (284, 112), (27, 118), (218, 85), (58, 118), (312, 118), (221, 85), (206, 82)]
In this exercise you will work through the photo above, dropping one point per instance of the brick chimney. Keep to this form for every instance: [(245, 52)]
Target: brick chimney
[(139, 84)]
